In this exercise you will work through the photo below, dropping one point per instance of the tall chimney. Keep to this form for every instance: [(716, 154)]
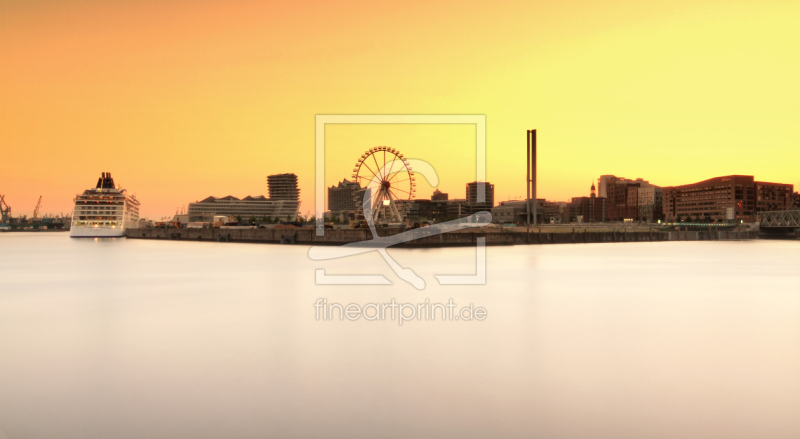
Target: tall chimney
[(533, 173), (531, 182), (528, 179)]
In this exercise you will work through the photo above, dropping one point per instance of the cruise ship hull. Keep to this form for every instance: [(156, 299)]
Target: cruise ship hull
[(96, 232)]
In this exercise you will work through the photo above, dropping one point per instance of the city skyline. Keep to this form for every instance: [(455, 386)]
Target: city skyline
[(181, 100)]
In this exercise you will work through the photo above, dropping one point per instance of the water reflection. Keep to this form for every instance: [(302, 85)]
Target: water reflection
[(137, 338)]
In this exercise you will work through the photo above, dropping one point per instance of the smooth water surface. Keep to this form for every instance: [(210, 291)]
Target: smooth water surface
[(163, 339)]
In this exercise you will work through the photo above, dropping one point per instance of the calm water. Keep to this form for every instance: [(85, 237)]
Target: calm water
[(133, 339)]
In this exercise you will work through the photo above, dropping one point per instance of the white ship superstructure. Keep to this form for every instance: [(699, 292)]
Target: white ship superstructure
[(104, 211)]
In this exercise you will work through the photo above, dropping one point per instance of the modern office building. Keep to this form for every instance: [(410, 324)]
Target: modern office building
[(460, 208), (283, 187), (605, 180), (472, 194), (420, 210), (651, 203), (430, 210), (733, 197), (342, 197), (437, 209), (438, 195)]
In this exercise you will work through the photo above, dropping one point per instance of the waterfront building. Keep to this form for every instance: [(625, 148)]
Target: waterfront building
[(589, 209), (438, 210), (439, 196), (651, 203), (565, 212), (283, 203), (732, 197), (573, 212), (472, 194), (435, 209), (419, 210), (246, 208), (440, 207), (516, 212), (605, 180), (622, 196), (458, 208), (602, 185), (796, 200), (342, 197), (283, 187), (551, 211), (773, 196)]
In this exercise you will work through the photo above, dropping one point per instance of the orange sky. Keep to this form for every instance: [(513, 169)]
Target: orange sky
[(181, 100)]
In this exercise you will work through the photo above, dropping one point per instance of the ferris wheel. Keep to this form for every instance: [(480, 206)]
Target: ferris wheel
[(388, 176)]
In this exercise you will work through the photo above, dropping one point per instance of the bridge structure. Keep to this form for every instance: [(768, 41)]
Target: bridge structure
[(780, 219)]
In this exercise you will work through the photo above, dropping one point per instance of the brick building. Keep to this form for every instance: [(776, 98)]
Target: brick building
[(591, 209), (733, 197), (622, 196), (773, 196), (651, 203)]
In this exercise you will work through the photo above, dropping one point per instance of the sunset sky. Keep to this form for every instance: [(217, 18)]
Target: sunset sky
[(181, 100)]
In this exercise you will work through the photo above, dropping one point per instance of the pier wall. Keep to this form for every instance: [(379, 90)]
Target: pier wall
[(307, 236)]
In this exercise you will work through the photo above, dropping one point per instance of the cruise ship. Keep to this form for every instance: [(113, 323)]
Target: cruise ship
[(104, 211)]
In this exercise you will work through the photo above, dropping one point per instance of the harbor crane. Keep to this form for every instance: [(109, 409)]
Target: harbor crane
[(38, 207), (5, 210)]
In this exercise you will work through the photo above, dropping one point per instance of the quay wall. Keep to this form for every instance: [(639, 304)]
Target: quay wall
[(307, 236)]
